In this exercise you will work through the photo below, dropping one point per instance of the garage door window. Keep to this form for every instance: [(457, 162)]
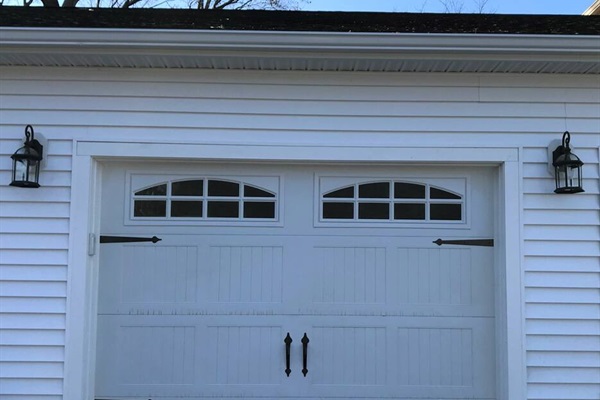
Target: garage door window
[(392, 201), (204, 199)]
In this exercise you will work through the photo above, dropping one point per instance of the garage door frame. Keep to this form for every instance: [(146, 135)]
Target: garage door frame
[(89, 156)]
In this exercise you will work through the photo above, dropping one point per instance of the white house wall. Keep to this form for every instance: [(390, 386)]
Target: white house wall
[(561, 234)]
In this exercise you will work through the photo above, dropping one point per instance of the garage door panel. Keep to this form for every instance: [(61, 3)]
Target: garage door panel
[(418, 357), (373, 275), (140, 352), (194, 356), (456, 277), (200, 272), (143, 275), (244, 355), (203, 314), (435, 356), (248, 274), (348, 355), (349, 275)]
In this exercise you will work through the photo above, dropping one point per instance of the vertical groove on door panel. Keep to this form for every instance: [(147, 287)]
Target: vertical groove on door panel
[(350, 275), (434, 276), (245, 355), (350, 356), (246, 274), (435, 357), (158, 274), (156, 355)]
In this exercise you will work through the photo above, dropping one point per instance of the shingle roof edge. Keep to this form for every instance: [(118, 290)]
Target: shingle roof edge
[(301, 21)]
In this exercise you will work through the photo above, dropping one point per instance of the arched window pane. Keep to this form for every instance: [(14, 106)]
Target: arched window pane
[(158, 190), (379, 190), (188, 188), (392, 200), (251, 191), (404, 190), (345, 193), (442, 194), (223, 189)]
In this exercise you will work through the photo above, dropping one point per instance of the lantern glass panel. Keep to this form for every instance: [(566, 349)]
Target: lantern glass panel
[(21, 170), (25, 173), (568, 179)]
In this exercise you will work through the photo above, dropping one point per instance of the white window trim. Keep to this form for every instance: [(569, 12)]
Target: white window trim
[(129, 199), (320, 222), (82, 284)]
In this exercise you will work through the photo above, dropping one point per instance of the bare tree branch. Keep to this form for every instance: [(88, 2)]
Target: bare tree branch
[(242, 4), (452, 6), (481, 7), (218, 4), (129, 3), (50, 3), (458, 6), (199, 4)]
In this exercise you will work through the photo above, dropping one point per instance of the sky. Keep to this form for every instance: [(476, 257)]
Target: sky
[(492, 6)]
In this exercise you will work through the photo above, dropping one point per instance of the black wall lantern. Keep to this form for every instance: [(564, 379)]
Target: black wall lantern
[(26, 162), (567, 168)]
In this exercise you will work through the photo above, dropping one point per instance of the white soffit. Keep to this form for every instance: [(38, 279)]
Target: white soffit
[(301, 51)]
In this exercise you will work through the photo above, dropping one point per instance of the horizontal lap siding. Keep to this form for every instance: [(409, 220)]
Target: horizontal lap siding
[(562, 280), (561, 241), (34, 226), (561, 234)]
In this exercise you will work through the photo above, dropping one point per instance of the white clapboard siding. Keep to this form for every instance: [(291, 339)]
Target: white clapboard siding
[(562, 281), (32, 397), (562, 295), (303, 123), (25, 370), (558, 264), (561, 234), (34, 226), (561, 343)]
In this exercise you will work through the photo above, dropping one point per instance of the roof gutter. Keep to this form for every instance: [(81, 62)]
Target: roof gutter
[(277, 44)]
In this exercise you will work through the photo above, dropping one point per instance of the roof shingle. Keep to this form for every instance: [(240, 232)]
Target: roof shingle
[(254, 20)]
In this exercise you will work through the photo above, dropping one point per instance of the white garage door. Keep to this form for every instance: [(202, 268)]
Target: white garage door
[(343, 254)]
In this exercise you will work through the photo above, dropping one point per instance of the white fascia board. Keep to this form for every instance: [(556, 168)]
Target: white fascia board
[(142, 41)]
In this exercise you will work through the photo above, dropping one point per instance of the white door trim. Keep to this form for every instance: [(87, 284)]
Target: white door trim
[(84, 220), (252, 152)]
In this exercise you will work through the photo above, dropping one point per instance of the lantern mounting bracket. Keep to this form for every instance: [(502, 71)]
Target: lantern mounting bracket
[(32, 142)]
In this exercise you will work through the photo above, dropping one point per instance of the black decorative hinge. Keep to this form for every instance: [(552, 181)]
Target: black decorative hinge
[(127, 239), (467, 242)]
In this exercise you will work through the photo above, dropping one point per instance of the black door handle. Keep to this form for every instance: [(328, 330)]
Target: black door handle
[(305, 341), (288, 343)]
